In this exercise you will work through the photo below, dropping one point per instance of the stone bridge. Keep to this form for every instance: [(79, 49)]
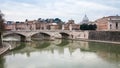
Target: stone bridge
[(48, 34)]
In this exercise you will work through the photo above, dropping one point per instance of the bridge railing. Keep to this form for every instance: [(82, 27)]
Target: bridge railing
[(41, 30)]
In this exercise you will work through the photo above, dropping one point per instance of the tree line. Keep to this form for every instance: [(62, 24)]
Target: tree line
[(52, 20), (88, 27)]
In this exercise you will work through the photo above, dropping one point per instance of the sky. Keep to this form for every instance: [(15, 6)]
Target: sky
[(19, 10)]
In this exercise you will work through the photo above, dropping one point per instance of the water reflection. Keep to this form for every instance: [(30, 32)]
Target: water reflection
[(18, 47), (42, 44), (108, 52), (62, 54), (63, 43), (2, 61)]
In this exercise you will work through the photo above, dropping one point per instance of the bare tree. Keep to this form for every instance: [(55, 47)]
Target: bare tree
[(1, 27)]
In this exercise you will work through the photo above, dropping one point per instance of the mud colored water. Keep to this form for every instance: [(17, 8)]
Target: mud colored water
[(61, 54)]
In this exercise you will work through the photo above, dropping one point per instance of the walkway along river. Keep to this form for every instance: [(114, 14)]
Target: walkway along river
[(61, 54)]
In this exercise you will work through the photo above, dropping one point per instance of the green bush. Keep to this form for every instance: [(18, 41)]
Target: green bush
[(88, 27)]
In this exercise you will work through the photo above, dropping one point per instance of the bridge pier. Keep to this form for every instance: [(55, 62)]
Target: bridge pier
[(52, 38)]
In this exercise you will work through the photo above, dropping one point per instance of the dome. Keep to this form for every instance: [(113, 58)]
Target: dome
[(85, 19)]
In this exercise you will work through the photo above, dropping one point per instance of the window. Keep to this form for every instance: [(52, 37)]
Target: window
[(110, 26), (116, 25)]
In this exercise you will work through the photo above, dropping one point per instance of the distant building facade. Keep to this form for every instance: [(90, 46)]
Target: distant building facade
[(108, 23), (41, 24), (70, 25)]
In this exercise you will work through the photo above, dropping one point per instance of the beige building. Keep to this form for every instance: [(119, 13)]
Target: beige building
[(41, 25), (70, 25), (28, 25), (10, 26), (54, 26), (108, 23)]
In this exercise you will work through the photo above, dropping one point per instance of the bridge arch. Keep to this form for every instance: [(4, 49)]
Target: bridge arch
[(17, 35), (65, 35), (40, 36)]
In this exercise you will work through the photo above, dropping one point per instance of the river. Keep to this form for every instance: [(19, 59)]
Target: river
[(61, 54)]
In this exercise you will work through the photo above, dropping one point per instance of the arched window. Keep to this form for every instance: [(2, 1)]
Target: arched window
[(110, 26), (116, 25)]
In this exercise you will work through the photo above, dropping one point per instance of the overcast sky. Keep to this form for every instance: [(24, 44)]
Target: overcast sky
[(19, 10)]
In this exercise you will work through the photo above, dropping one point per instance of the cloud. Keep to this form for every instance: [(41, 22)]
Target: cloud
[(67, 9)]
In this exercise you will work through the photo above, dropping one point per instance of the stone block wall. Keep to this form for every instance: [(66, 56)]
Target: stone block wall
[(105, 35), (81, 35)]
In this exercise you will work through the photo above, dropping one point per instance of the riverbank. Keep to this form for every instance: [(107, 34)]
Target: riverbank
[(4, 48), (97, 41)]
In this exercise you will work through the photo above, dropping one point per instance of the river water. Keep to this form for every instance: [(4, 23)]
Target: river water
[(61, 54)]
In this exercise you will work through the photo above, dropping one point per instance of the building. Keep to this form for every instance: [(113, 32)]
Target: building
[(85, 20), (9, 22), (40, 24), (108, 23), (70, 25), (27, 25), (53, 26), (9, 25), (20, 26)]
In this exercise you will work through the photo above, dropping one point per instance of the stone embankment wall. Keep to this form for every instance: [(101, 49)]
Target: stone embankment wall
[(105, 35), (4, 48), (83, 35)]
